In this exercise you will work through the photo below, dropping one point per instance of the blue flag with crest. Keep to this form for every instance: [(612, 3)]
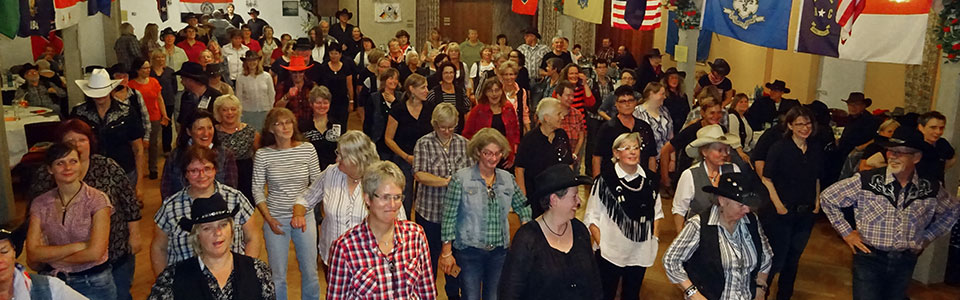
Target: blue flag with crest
[(759, 22)]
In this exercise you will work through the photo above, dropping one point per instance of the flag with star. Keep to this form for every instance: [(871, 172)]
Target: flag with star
[(818, 30), (162, 9), (760, 22)]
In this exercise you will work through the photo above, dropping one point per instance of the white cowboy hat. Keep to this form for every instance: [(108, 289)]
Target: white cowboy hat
[(709, 135), (99, 85)]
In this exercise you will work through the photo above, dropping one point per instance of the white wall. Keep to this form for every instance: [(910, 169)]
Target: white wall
[(93, 49), (381, 33), (141, 12)]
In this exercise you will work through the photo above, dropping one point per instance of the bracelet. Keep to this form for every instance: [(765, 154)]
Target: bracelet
[(446, 255), (690, 291)]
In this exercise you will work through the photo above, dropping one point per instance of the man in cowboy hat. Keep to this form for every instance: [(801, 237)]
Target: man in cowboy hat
[(16, 282), (861, 127), (719, 69), (117, 129), (256, 24), (533, 52), (897, 213), (649, 70), (343, 31), (765, 110), (38, 92), (197, 94), (303, 48)]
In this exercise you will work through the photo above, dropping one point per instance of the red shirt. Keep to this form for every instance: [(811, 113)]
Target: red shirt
[(254, 45), (151, 95), (193, 52), (481, 116), (359, 270)]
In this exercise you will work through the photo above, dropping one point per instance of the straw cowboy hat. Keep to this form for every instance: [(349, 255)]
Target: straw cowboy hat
[(99, 85), (709, 135)]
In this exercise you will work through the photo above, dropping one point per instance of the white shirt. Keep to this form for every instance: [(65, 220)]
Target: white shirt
[(748, 142), (615, 247), (256, 92), (58, 289), (343, 209), (234, 58), (318, 53), (478, 68), (686, 189)]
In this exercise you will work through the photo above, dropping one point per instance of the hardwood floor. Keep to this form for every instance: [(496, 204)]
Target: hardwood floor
[(824, 271)]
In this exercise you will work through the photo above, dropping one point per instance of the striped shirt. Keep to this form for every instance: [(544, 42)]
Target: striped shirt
[(177, 207), (286, 174), (662, 126), (737, 252), (450, 98), (342, 208)]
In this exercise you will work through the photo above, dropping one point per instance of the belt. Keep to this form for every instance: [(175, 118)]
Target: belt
[(94, 270)]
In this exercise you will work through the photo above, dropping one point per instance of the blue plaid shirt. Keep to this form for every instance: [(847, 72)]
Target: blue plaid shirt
[(890, 217), (177, 206)]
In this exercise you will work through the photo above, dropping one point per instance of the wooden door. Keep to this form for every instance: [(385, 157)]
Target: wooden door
[(456, 16)]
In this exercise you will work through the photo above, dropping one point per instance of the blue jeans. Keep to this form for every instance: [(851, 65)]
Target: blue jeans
[(305, 244), (479, 272), (98, 285), (123, 269), (882, 275)]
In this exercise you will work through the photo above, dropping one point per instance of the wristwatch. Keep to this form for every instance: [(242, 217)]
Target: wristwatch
[(690, 291)]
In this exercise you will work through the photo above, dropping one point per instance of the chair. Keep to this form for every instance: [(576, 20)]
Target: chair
[(40, 132)]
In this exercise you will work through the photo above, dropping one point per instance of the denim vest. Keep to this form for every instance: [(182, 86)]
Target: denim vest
[(471, 216)]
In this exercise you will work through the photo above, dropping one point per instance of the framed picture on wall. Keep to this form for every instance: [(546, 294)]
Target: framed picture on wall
[(291, 8)]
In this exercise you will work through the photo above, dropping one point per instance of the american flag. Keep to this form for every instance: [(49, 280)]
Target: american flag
[(847, 13), (635, 14)]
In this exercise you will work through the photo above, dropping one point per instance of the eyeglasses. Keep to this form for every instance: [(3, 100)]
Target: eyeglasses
[(631, 148), (397, 197), (802, 124), (197, 171), (631, 100), (491, 153)]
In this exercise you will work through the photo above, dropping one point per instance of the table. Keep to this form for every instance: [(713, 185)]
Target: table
[(16, 135)]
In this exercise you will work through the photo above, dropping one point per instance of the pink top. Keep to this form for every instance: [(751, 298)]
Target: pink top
[(77, 225)]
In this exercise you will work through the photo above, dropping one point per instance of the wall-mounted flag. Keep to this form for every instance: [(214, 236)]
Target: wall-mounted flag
[(759, 22)]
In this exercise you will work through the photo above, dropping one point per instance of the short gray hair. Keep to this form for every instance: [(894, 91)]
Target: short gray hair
[(357, 148), (381, 172), (444, 113), (547, 106)]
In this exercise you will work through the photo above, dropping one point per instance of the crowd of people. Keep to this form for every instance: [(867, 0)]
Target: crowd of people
[(454, 138)]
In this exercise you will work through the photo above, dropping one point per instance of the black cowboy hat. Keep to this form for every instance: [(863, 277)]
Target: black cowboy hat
[(253, 11), (193, 71), (213, 70), (532, 31), (720, 65), (205, 210), (905, 136), (738, 187), (22, 69), (251, 55), (167, 31), (858, 97), (672, 71), (556, 178), (778, 85), (342, 12), (16, 235), (655, 52), (302, 44)]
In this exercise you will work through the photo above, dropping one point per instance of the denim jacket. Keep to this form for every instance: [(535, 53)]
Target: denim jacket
[(471, 221)]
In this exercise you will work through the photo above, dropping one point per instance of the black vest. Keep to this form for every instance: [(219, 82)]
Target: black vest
[(705, 267), (190, 283)]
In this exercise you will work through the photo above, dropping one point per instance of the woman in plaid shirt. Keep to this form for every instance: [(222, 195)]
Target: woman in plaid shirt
[(383, 257)]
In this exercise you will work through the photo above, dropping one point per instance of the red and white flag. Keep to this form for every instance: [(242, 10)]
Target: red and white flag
[(203, 7), (886, 31), (635, 14), (847, 13), (524, 7), (69, 12)]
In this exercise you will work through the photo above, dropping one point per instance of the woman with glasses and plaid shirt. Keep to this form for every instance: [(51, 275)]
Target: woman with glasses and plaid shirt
[(474, 230)]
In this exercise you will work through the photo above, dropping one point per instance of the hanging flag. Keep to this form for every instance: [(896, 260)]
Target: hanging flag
[(884, 31), (101, 6), (818, 32), (759, 22), (162, 9), (635, 14), (587, 10), (9, 17), (847, 13), (36, 18), (39, 44), (524, 7), (69, 12), (203, 7)]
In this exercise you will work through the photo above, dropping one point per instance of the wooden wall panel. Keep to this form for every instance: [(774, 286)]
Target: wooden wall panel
[(638, 42)]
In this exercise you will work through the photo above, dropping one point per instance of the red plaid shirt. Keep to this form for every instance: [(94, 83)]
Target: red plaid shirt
[(359, 270), (575, 126)]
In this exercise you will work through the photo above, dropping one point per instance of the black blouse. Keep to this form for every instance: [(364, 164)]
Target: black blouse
[(410, 129), (534, 270), (324, 140)]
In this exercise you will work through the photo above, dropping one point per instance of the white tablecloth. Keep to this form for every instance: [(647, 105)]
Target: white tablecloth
[(16, 136)]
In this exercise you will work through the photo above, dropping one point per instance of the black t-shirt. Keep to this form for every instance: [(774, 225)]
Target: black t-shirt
[(189, 104), (680, 141), (724, 86), (324, 140), (613, 128), (565, 56), (409, 130), (793, 172), (536, 154), (766, 140), (934, 159)]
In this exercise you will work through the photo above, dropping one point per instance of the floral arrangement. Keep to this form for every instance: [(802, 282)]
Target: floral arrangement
[(688, 17), (948, 38)]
